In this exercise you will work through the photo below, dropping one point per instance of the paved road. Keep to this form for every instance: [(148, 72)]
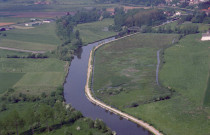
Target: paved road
[(21, 50)]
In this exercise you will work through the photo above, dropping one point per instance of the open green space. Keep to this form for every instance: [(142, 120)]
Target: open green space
[(58, 5), (128, 69), (12, 19), (32, 76), (5, 53), (95, 31), (126, 80), (8, 79), (39, 38)]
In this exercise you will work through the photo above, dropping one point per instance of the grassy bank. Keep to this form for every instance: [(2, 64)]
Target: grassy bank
[(128, 82), (128, 68), (95, 31)]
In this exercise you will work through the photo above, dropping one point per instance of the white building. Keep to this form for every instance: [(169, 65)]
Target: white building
[(205, 36)]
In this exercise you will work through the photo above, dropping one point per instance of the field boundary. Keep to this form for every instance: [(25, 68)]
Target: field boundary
[(21, 50), (107, 107)]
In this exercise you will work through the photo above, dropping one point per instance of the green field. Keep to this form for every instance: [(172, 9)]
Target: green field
[(31, 76), (4, 53), (128, 81), (128, 69), (91, 32), (40, 38)]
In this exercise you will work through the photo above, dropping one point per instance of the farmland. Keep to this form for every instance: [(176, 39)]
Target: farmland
[(128, 81), (32, 76), (42, 38), (91, 32)]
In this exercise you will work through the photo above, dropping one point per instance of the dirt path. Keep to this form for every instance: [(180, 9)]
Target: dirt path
[(158, 65), (101, 104), (21, 50)]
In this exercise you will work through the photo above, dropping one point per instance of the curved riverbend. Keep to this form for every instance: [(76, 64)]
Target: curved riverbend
[(74, 94)]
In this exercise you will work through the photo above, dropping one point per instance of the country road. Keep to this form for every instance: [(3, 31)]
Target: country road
[(21, 50)]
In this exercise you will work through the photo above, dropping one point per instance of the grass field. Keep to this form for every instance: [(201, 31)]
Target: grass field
[(91, 32), (128, 69), (42, 37), (129, 77), (32, 76)]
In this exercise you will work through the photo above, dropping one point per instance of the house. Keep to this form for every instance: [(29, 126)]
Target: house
[(206, 36), (177, 13)]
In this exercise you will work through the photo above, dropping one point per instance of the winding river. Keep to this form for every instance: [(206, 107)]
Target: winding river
[(74, 94)]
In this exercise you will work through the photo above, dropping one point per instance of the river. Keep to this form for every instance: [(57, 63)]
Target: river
[(74, 94)]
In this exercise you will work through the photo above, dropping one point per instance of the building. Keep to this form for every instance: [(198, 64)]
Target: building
[(206, 36)]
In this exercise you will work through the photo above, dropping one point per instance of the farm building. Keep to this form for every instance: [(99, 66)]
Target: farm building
[(205, 36)]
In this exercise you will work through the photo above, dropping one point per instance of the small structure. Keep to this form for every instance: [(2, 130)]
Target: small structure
[(206, 36)]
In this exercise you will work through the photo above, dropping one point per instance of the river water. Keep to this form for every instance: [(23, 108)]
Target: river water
[(74, 94)]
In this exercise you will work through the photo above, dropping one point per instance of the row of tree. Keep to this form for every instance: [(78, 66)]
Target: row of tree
[(137, 18), (197, 17), (70, 37)]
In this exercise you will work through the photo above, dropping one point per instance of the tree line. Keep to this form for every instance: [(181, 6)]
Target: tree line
[(137, 18), (70, 37)]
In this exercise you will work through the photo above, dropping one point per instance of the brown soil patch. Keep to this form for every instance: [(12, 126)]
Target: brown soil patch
[(4, 24)]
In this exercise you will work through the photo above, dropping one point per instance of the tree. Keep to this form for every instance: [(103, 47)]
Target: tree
[(46, 114), (14, 121), (60, 112), (31, 119)]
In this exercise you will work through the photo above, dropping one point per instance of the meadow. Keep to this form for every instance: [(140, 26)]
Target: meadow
[(32, 76), (95, 31), (128, 81), (128, 69), (40, 38)]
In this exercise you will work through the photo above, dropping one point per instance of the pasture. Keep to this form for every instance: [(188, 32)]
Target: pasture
[(124, 77), (40, 38), (128, 69), (95, 31), (32, 76)]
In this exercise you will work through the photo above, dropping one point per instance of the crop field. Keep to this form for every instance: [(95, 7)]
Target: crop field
[(33, 14), (128, 81), (128, 69), (95, 31), (42, 38), (32, 76)]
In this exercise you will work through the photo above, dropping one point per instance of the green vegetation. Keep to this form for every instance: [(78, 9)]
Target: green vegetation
[(42, 38), (128, 70), (94, 31), (32, 76), (129, 79)]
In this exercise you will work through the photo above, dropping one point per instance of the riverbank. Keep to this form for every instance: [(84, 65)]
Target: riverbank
[(109, 108)]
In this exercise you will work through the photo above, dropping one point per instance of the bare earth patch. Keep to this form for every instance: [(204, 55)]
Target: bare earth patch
[(4, 24)]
